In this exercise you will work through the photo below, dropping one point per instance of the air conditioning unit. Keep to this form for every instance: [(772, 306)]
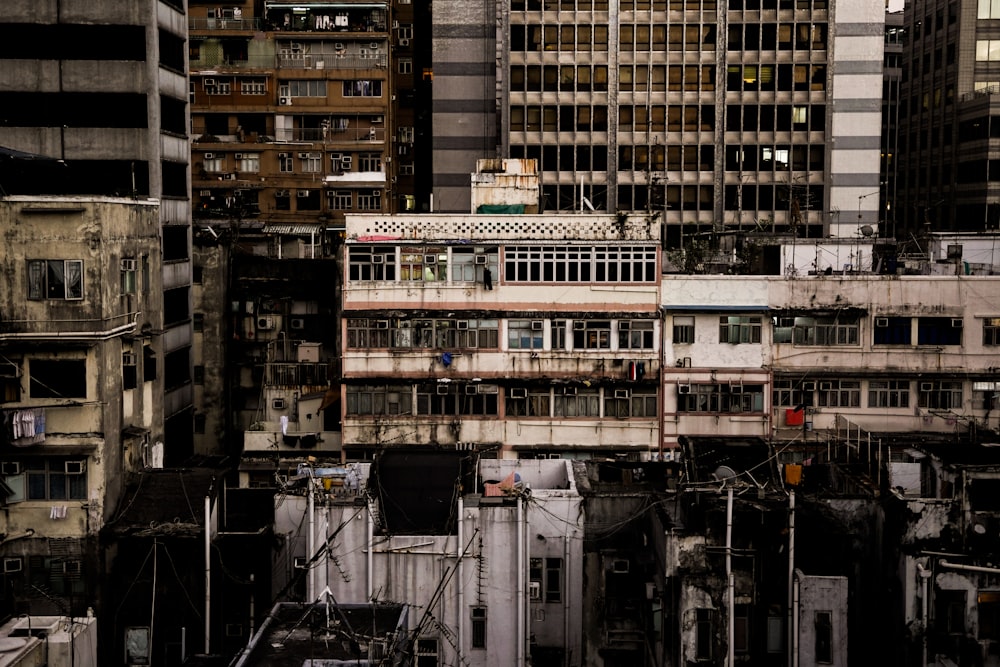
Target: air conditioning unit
[(376, 193), (303, 156), (442, 390), (569, 391), (9, 468), (208, 83), (430, 259), (303, 193), (209, 156), (404, 42), (338, 46), (518, 392), (683, 389), (128, 359), (229, 177), (882, 322), (373, 45), (128, 265), (381, 324), (808, 386), (205, 193), (282, 193), (72, 567), (346, 161), (278, 404), (579, 325), (378, 120), (619, 566), (462, 324), (537, 325), (957, 322), (471, 389), (825, 386), (535, 590), (285, 101), (735, 389), (11, 565), (265, 323), (623, 393), (75, 467), (297, 323), (300, 562), (926, 386), (482, 259), (238, 156)]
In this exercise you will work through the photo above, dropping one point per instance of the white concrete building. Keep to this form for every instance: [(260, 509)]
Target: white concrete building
[(499, 582)]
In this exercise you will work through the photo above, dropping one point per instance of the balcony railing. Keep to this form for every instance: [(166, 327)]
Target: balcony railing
[(306, 61), (254, 24), (298, 374)]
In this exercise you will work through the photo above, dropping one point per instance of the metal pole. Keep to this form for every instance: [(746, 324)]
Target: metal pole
[(791, 572)]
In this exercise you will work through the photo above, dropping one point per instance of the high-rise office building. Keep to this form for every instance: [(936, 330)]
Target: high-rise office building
[(746, 114)]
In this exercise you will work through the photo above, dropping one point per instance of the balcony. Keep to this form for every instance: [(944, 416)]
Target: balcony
[(249, 24), (298, 375)]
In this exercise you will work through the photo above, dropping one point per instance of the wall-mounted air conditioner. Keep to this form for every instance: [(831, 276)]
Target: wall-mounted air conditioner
[(926, 386), (373, 45), (619, 566), (537, 325), (825, 386), (9, 468), (569, 391), (278, 404), (430, 259), (229, 177), (442, 390), (11, 565), (808, 386), (882, 322), (957, 322), (265, 323), (518, 392), (209, 83), (462, 324), (285, 101), (238, 156), (579, 325), (471, 389), (297, 323), (535, 590), (404, 42), (209, 156), (346, 161), (623, 393), (683, 389)]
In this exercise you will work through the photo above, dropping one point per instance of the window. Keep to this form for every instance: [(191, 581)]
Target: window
[(406, 134), (285, 163), (840, 393), (254, 86), (216, 87), (985, 395), (991, 331), (525, 334), (892, 331), (367, 333), (427, 653), (424, 263), (405, 31), (248, 162), (58, 378), (790, 393), (55, 279), (591, 334), (213, 163), (819, 330), (312, 163), (988, 604), (148, 364), (444, 333), (888, 393), (380, 400), (478, 615), (339, 200), (199, 374), (369, 162), (741, 628), (371, 263), (580, 264), (725, 398), (406, 65), (129, 370), (939, 331), (471, 264), (739, 329), (362, 88), (129, 273), (528, 402), (56, 478), (683, 329), (635, 335), (577, 402), (824, 636), (704, 637), (940, 395), (308, 88), (623, 403), (472, 399), (370, 201), (560, 341), (547, 574), (987, 50)]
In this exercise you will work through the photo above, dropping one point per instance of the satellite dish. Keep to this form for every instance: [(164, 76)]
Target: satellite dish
[(724, 472), (867, 231)]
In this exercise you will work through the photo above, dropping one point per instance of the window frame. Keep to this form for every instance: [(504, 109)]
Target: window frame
[(42, 280)]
